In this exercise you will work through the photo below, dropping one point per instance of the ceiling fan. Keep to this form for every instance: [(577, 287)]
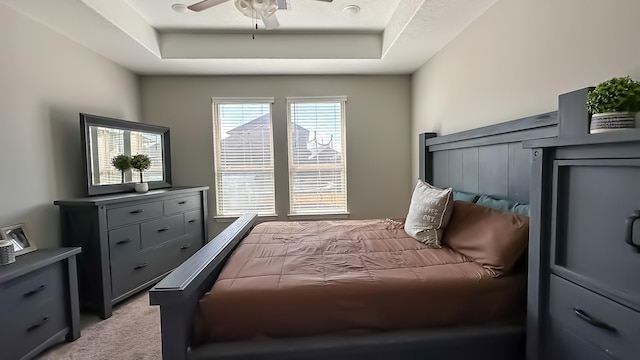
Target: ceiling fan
[(263, 9)]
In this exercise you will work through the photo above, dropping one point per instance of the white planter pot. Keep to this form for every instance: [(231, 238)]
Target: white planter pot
[(142, 187), (612, 121)]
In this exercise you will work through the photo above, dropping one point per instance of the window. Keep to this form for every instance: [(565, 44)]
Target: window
[(317, 159), (243, 145)]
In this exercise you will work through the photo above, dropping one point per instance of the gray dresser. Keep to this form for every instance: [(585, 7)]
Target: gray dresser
[(584, 272), (38, 302), (130, 241)]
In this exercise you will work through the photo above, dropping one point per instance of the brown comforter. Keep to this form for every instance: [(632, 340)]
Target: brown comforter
[(290, 279)]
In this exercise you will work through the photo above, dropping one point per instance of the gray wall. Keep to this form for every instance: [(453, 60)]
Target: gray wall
[(516, 59), (45, 81), (378, 131)]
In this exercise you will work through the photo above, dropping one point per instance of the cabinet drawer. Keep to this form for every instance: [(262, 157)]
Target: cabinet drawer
[(21, 295), (566, 346), (32, 329), (32, 311), (179, 251), (593, 204), (172, 206), (193, 222), (159, 231), (130, 272), (134, 213), (124, 241), (606, 324)]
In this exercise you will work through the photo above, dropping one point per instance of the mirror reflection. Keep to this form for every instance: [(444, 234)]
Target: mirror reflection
[(106, 143)]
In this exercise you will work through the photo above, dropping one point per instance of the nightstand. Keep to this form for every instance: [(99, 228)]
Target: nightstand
[(38, 302)]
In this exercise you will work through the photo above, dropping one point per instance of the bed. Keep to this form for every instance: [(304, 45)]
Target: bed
[(488, 160)]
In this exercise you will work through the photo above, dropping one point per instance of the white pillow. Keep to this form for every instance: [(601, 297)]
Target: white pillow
[(429, 213)]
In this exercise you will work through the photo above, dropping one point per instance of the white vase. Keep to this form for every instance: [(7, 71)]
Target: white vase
[(142, 187)]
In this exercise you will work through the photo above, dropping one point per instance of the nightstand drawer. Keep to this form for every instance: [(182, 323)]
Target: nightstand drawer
[(567, 346), (159, 231), (124, 241), (172, 206), (606, 324), (33, 328), (23, 294), (134, 213)]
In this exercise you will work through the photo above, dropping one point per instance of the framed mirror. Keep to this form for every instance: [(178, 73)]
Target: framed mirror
[(104, 138)]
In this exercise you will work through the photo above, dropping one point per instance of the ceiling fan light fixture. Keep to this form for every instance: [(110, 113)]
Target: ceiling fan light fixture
[(179, 8)]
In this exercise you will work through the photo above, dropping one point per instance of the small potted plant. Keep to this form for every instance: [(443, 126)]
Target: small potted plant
[(614, 104), (141, 162), (121, 162)]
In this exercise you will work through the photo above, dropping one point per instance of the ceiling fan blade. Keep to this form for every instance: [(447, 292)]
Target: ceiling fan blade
[(325, 0), (270, 22), (203, 5)]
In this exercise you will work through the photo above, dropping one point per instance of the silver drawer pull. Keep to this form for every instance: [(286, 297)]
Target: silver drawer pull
[(38, 324), (192, 221), (141, 266), (163, 229), (136, 211), (595, 322), (127, 240), (35, 291), (185, 247), (182, 202)]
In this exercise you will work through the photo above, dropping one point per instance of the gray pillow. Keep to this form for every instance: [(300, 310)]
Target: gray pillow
[(429, 214)]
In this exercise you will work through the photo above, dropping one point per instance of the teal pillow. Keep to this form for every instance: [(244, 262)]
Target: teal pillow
[(505, 205), (464, 196)]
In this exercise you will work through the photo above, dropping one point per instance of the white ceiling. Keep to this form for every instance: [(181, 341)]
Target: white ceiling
[(314, 37)]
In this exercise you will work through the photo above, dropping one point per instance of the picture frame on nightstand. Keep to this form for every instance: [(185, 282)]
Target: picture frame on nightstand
[(18, 236)]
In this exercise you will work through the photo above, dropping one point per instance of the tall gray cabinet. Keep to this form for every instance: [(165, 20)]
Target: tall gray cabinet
[(130, 241), (584, 282)]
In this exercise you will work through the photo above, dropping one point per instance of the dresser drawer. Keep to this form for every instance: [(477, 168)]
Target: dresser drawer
[(180, 250), (124, 241), (193, 222), (593, 204), (172, 206), (159, 231), (23, 294), (606, 324), (134, 213), (130, 272)]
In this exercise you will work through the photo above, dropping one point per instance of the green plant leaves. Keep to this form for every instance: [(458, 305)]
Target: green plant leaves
[(140, 162), (619, 94), (121, 162)]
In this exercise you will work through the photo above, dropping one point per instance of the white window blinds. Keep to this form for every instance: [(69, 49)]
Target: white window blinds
[(243, 145), (317, 158)]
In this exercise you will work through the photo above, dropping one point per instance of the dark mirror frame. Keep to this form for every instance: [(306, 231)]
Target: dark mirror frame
[(87, 120)]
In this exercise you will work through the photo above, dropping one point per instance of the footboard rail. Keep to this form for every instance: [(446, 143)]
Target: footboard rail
[(179, 292)]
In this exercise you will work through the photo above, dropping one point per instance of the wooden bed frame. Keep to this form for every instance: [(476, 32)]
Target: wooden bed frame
[(488, 160)]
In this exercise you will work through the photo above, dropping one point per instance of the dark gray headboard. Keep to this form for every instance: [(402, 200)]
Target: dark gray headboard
[(488, 160)]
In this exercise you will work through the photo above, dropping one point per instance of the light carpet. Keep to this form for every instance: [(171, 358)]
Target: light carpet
[(132, 333)]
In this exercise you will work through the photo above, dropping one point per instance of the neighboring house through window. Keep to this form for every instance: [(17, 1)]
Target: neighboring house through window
[(317, 159), (243, 146)]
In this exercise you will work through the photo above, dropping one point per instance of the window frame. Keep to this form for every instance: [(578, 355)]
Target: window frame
[(343, 125), (216, 102)]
